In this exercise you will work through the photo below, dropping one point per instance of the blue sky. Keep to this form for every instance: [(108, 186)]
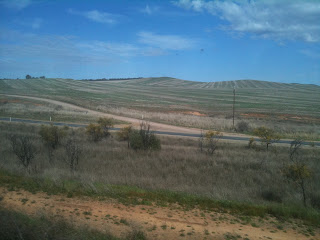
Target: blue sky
[(200, 40)]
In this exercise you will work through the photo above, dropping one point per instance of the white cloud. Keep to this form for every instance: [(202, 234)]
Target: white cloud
[(165, 42), (111, 48), (16, 4), (278, 20), (25, 47), (97, 16)]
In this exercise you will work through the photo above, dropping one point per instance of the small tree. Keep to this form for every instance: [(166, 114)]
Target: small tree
[(94, 132), (101, 130), (51, 136), (105, 125), (266, 135), (212, 139), (295, 147), (298, 173), (23, 147), (124, 134), (28, 76), (73, 152), (252, 143)]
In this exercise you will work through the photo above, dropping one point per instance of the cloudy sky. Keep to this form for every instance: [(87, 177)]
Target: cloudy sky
[(201, 40)]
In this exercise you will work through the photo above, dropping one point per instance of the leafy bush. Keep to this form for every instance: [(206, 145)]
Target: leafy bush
[(105, 125), (94, 132), (209, 141), (252, 143), (124, 134), (298, 173), (52, 135), (266, 135), (97, 132), (144, 139), (242, 126)]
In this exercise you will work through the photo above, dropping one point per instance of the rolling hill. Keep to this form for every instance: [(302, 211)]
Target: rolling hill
[(175, 95)]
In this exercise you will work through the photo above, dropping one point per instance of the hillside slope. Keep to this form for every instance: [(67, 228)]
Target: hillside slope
[(174, 95)]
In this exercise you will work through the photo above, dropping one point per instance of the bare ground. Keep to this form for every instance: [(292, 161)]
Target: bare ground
[(171, 222)]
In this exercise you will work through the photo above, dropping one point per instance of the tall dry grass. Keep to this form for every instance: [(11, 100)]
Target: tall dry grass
[(233, 172)]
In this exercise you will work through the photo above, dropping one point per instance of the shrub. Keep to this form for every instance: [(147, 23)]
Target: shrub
[(94, 132), (144, 139), (124, 134), (136, 235), (105, 125), (252, 143), (266, 135), (212, 139), (52, 135), (73, 151), (97, 132), (23, 147), (298, 173), (242, 126), (135, 140)]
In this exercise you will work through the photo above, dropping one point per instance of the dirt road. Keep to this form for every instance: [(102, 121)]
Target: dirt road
[(155, 126), (156, 222)]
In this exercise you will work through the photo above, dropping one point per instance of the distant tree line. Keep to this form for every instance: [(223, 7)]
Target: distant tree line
[(29, 77), (111, 79)]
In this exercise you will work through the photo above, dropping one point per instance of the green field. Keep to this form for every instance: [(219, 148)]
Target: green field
[(176, 101)]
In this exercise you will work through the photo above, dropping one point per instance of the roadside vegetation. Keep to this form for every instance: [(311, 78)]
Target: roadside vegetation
[(282, 181)]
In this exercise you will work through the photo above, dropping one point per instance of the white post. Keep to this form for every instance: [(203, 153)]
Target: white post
[(50, 118), (10, 119), (142, 117)]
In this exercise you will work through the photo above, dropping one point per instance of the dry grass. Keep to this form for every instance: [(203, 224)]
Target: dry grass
[(38, 110), (287, 129), (234, 172)]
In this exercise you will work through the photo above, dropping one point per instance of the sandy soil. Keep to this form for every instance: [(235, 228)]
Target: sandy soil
[(156, 222)]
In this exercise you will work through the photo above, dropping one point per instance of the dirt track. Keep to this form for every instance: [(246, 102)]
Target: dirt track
[(156, 222), (155, 126)]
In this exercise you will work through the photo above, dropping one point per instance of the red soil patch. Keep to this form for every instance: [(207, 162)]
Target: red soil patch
[(254, 115), (194, 113)]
